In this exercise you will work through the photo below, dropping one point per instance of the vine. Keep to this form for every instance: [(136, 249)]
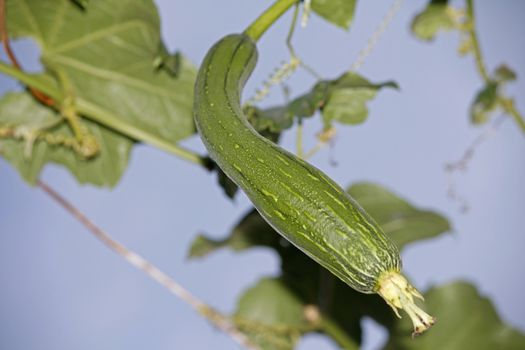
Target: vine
[(472, 44), (506, 103), (311, 299)]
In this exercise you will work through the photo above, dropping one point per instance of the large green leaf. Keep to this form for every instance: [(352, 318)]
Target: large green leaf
[(271, 315), (108, 52), (338, 12), (438, 15), (465, 320), (20, 112), (504, 74), (400, 220)]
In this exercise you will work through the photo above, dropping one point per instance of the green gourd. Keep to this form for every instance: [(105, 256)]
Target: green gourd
[(298, 200)]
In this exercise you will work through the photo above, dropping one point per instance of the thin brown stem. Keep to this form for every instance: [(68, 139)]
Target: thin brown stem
[(4, 37), (216, 318)]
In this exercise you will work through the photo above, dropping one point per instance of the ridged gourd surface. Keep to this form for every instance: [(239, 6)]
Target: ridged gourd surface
[(295, 198)]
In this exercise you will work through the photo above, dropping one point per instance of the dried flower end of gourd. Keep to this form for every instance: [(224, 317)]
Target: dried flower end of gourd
[(399, 294)]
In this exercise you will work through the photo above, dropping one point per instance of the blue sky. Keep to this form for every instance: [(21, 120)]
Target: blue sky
[(61, 289)]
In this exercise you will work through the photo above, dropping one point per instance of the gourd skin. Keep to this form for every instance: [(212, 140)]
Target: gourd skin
[(298, 200), (295, 198)]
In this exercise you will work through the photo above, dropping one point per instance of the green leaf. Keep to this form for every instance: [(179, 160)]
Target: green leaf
[(343, 99), (108, 53), (486, 101), (20, 112), (347, 99), (400, 220), (438, 15), (19, 109), (338, 12), (465, 320), (270, 302), (202, 246), (504, 74), (271, 315), (484, 104)]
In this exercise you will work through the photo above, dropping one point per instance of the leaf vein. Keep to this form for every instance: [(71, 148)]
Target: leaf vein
[(102, 33)]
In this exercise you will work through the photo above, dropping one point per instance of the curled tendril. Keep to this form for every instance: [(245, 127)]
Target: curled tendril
[(280, 74), (87, 146)]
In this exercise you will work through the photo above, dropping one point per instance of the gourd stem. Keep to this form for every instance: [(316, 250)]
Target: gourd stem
[(268, 18)]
